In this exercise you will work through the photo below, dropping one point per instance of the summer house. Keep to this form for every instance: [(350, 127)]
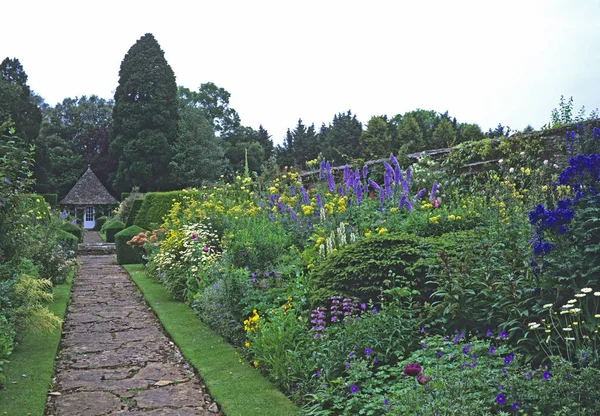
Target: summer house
[(88, 194)]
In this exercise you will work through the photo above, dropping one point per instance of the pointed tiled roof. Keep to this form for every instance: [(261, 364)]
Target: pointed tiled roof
[(88, 191)]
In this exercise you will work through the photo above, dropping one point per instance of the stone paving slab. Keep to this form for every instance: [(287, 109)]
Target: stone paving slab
[(114, 357)]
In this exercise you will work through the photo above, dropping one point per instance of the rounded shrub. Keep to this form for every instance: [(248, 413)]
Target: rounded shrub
[(67, 240), (73, 229), (126, 253), (111, 228), (100, 222)]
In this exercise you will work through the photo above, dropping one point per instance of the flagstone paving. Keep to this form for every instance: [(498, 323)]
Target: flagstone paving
[(114, 357)]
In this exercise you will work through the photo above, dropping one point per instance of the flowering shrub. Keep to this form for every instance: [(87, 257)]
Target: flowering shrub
[(184, 256)]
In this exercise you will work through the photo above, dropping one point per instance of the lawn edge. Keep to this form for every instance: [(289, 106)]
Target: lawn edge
[(238, 389), (27, 394)]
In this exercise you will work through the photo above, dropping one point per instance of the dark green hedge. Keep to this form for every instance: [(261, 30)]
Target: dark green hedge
[(156, 205), (100, 222), (135, 208), (51, 199), (124, 195), (359, 270), (67, 240), (111, 228), (73, 229), (127, 254)]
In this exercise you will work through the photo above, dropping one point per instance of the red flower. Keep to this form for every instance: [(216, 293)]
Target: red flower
[(423, 380), (412, 370)]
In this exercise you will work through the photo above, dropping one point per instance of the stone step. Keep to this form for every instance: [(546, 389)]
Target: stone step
[(88, 249)]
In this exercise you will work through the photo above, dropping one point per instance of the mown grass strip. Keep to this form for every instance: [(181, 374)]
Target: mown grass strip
[(238, 389), (29, 372)]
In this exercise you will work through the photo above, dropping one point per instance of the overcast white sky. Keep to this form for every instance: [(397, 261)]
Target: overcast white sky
[(507, 62)]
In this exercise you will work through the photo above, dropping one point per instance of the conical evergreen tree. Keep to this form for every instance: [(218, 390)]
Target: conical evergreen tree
[(145, 118)]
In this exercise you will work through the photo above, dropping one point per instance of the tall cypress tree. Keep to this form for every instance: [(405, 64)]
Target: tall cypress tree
[(145, 118)]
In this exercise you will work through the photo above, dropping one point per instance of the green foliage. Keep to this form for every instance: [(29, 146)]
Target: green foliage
[(73, 229), (100, 222), (256, 242), (563, 115), (124, 209), (145, 118), (51, 199), (376, 140), (128, 254), (341, 139), (17, 102), (444, 134), (111, 228), (135, 208), (124, 195), (363, 269), (198, 155), (67, 240), (156, 206)]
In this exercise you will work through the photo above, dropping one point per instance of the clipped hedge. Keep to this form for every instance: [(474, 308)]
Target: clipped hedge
[(111, 228), (127, 254), (359, 270), (73, 229), (124, 196), (67, 240), (100, 222), (51, 199), (156, 205), (135, 208)]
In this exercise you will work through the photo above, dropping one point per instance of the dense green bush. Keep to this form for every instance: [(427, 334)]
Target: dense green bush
[(156, 205), (67, 240), (100, 222), (135, 208), (256, 242), (73, 229), (128, 254), (51, 199), (111, 228), (363, 269)]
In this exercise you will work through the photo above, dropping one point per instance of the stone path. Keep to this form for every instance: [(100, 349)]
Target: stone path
[(114, 357)]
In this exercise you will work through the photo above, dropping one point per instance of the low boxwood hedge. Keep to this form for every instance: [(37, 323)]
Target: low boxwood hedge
[(135, 208), (100, 222), (127, 254), (111, 228), (67, 240), (73, 229)]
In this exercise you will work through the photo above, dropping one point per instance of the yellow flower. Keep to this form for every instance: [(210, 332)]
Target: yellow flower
[(368, 233), (451, 217), (255, 363), (544, 188), (247, 344), (434, 220), (307, 209), (381, 231)]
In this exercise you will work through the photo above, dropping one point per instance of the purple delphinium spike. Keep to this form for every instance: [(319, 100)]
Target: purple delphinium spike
[(365, 171), (293, 215), (280, 207), (304, 195), (419, 194), (398, 175), (292, 190), (405, 187), (357, 176), (394, 160), (327, 168), (341, 191), (381, 199), (330, 182), (322, 170), (319, 201), (433, 191), (359, 194), (345, 180), (408, 176), (404, 202), (389, 171), (374, 184)]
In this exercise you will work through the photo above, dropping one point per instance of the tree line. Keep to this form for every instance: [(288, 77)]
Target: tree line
[(160, 136)]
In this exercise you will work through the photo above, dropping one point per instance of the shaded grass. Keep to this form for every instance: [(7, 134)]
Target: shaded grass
[(29, 372), (238, 388)]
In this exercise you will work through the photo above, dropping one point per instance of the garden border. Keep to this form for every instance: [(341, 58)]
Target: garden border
[(233, 384), (31, 365)]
